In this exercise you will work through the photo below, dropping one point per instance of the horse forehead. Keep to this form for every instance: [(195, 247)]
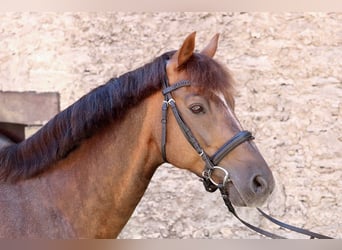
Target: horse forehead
[(214, 96), (174, 75), (228, 109), (222, 98)]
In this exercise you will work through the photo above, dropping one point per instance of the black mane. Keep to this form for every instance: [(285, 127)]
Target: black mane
[(103, 105), (63, 133)]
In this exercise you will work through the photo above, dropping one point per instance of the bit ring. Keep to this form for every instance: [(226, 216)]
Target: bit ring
[(226, 178)]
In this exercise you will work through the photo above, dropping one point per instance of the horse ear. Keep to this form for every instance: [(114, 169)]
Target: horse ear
[(185, 52), (211, 48)]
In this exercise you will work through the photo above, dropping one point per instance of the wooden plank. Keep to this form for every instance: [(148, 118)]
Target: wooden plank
[(28, 108), (16, 132)]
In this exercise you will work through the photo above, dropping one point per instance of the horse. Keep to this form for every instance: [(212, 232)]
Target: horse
[(84, 172)]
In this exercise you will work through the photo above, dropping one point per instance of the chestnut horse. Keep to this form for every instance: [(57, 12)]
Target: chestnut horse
[(84, 172)]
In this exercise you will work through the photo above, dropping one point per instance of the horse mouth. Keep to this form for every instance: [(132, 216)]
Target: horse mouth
[(234, 196), (240, 199)]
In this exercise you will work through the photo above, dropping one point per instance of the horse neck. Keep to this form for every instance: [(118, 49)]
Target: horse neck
[(107, 175)]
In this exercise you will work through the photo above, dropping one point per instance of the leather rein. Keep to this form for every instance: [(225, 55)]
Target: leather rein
[(212, 161)]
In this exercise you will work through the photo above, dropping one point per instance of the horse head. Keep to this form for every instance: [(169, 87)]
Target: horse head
[(201, 93)]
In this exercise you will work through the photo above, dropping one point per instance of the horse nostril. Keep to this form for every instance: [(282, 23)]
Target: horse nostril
[(259, 185)]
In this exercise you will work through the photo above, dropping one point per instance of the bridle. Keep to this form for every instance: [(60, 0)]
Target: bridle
[(211, 162)]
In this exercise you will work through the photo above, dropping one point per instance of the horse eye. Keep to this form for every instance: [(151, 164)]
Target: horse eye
[(197, 109)]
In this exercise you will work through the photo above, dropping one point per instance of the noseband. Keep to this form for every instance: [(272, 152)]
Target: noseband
[(211, 163)]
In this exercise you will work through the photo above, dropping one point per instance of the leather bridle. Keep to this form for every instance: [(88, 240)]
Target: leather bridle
[(211, 162)]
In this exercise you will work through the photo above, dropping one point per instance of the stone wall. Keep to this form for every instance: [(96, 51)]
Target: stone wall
[(288, 72)]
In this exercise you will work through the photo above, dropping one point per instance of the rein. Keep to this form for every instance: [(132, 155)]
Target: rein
[(211, 162)]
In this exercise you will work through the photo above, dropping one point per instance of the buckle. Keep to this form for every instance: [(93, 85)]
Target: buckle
[(226, 178)]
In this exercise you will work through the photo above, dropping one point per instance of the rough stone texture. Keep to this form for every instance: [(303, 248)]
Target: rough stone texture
[(288, 72)]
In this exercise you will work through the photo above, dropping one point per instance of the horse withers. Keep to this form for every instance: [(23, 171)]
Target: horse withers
[(84, 172)]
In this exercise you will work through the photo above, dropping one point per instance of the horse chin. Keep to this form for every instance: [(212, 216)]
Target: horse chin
[(237, 199)]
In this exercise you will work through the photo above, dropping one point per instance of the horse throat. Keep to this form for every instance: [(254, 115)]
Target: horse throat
[(136, 158)]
